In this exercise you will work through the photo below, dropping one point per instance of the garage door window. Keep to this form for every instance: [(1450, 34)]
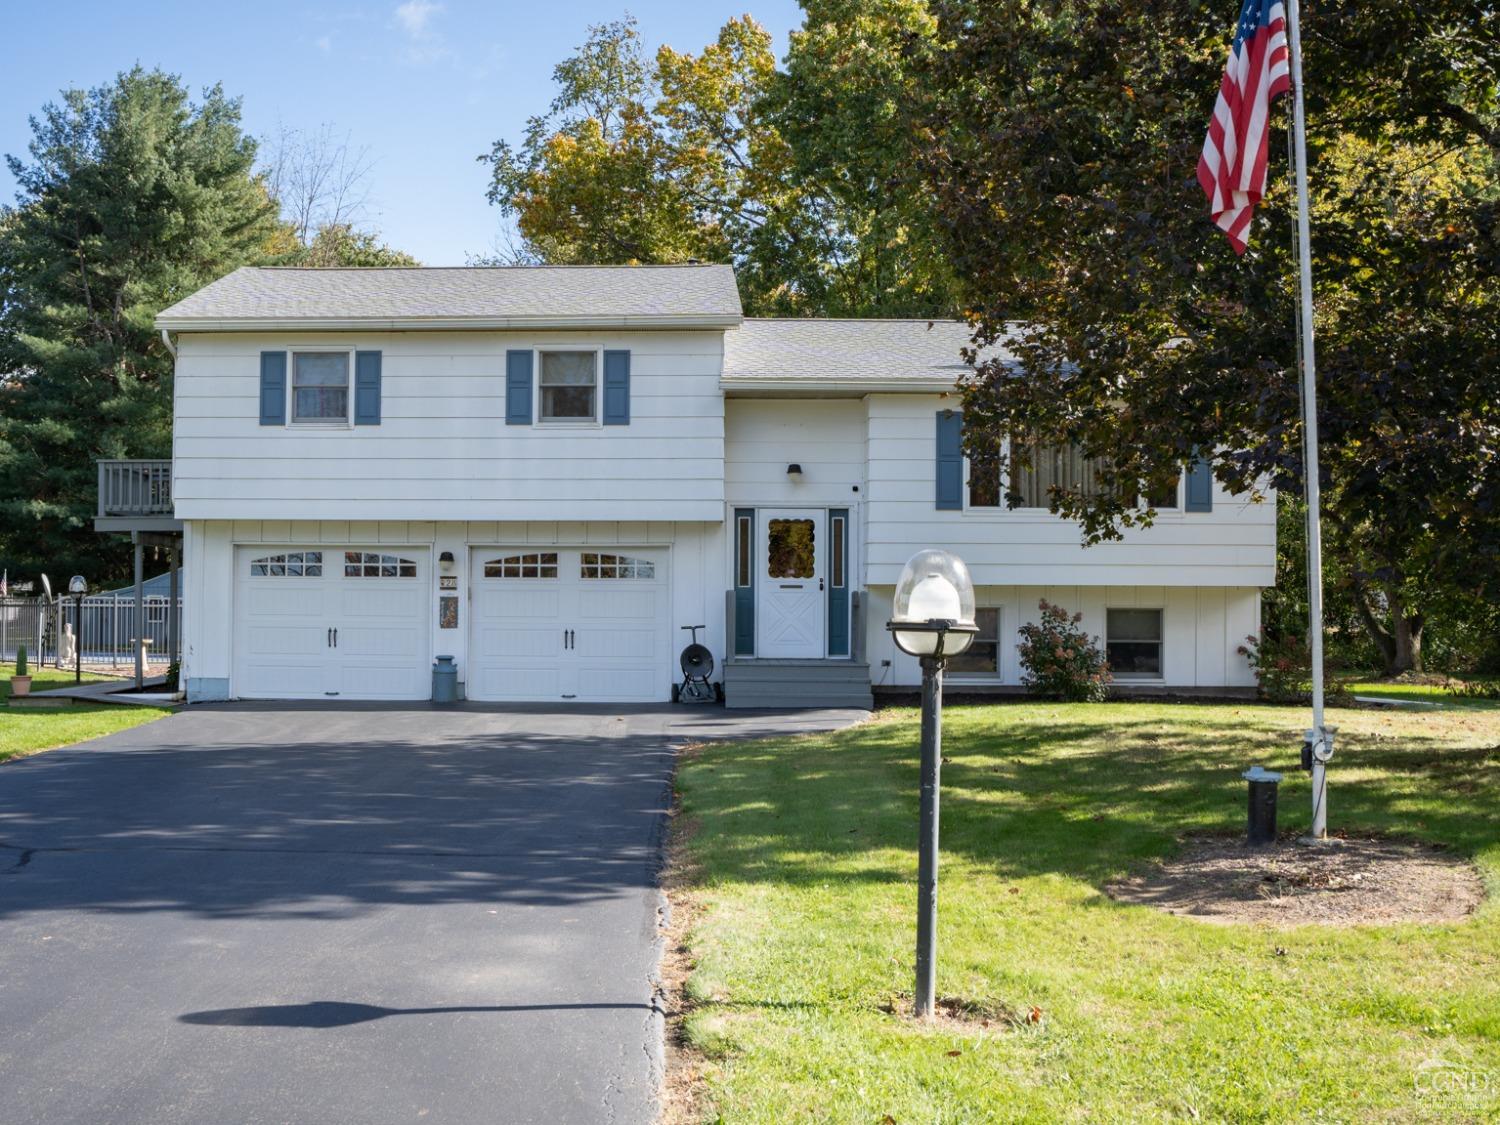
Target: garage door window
[(293, 564), (369, 564), (616, 566), (541, 565)]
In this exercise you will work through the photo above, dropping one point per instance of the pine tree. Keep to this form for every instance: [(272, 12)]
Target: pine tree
[(133, 197)]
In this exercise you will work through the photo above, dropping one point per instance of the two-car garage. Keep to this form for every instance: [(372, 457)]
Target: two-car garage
[(545, 624)]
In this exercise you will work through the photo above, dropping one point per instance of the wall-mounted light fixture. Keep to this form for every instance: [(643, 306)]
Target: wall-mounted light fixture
[(794, 472), (445, 561)]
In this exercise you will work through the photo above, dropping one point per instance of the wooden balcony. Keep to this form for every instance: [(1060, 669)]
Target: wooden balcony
[(135, 496)]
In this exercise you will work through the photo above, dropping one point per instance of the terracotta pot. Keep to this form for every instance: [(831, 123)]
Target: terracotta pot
[(19, 686)]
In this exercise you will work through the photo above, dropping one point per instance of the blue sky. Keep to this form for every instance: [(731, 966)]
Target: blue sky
[(426, 85)]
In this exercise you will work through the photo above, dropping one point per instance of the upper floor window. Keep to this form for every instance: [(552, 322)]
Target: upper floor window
[(985, 489), (569, 386), (320, 386)]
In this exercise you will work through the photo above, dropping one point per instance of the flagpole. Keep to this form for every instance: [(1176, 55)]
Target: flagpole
[(1322, 744)]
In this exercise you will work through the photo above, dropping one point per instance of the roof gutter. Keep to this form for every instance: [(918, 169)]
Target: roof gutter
[(436, 324), (824, 384), (166, 339)]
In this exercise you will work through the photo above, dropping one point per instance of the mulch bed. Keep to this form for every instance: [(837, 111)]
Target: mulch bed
[(1346, 882)]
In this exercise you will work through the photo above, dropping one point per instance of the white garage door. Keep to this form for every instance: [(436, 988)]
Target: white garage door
[(569, 624), (315, 622)]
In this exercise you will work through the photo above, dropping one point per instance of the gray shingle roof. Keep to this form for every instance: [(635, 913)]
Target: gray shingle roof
[(521, 296), (872, 350)]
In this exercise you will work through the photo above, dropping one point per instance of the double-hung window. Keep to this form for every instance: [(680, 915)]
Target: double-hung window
[(320, 387), (569, 386), (1133, 642), (981, 660)]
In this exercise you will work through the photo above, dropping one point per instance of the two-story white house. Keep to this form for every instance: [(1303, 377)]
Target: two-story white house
[(547, 472)]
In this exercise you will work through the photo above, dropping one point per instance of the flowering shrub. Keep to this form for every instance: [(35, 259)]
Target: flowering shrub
[(1060, 660), (1282, 666)]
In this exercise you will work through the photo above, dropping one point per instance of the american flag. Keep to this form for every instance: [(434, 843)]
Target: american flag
[(1232, 168)]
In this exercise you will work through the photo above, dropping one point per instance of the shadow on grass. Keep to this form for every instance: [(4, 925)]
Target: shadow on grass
[(1075, 791)]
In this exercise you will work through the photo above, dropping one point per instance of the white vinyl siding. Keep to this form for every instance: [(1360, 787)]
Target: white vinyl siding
[(1202, 629), (1232, 546), (442, 450)]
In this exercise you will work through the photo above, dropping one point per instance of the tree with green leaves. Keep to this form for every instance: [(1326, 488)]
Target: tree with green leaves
[(339, 244), (799, 177), (587, 183), (1059, 141), (133, 197)]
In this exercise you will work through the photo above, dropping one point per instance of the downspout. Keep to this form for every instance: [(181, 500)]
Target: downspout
[(166, 340)]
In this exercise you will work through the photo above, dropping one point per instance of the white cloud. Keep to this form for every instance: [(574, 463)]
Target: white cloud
[(414, 15)]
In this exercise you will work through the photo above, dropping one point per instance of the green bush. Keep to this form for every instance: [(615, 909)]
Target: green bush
[(1060, 660), (1282, 665), (21, 660)]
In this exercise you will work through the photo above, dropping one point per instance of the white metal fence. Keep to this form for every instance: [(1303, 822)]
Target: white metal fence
[(107, 636)]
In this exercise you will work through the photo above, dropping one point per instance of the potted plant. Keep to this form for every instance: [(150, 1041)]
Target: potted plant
[(20, 683)]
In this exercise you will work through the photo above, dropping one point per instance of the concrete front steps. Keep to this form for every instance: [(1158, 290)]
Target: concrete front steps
[(797, 683)]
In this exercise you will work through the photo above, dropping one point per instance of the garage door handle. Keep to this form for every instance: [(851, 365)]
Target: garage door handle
[(329, 640), (335, 638)]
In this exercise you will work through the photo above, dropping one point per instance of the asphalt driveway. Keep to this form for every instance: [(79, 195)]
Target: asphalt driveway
[(283, 913)]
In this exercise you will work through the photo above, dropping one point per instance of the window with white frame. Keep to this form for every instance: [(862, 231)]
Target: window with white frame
[(569, 386), (1133, 643), (981, 660), (985, 486), (320, 387)]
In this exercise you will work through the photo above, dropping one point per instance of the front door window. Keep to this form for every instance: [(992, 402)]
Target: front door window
[(792, 548)]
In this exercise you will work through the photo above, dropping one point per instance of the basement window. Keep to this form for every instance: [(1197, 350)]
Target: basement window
[(1133, 642)]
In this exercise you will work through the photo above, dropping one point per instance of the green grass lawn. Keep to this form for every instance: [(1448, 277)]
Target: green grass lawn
[(801, 867), (25, 732), (1420, 693)]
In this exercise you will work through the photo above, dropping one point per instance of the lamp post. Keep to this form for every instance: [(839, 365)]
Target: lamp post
[(78, 586), (932, 619)]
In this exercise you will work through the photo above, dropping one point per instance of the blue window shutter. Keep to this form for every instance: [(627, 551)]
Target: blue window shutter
[(273, 388), (367, 388), (950, 461), (518, 388), (617, 388), (1200, 487)]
